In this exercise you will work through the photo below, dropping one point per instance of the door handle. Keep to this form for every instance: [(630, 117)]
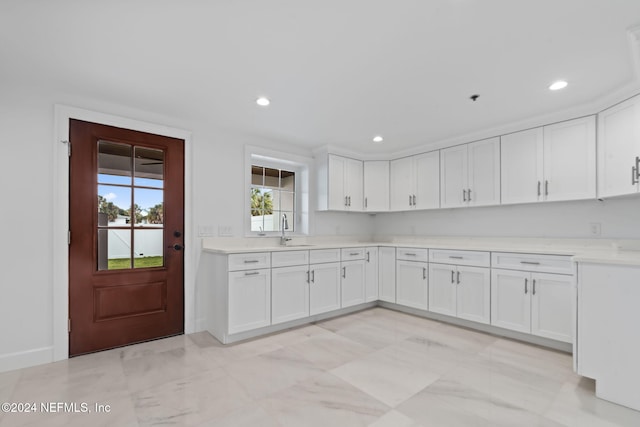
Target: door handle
[(176, 247)]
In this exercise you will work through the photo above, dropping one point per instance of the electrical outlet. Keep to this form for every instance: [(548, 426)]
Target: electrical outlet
[(595, 229), (225, 231)]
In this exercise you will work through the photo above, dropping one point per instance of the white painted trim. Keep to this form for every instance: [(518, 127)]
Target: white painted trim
[(60, 220), (24, 359)]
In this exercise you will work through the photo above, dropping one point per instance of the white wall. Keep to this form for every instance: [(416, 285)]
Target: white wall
[(26, 188), (619, 219)]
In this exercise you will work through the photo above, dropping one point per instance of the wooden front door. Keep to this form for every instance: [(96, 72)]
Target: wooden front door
[(126, 216)]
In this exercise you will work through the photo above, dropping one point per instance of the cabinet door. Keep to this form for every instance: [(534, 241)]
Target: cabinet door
[(510, 300), (336, 177), (484, 173), (552, 298), (521, 166), (376, 186), (442, 289), (324, 289), (289, 293), (352, 283), (401, 184), (371, 274), (354, 188), (618, 147), (473, 300), (387, 274), (249, 300), (570, 160), (427, 180), (453, 177), (412, 284)]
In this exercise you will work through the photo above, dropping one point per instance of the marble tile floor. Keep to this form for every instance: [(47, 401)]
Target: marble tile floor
[(377, 368)]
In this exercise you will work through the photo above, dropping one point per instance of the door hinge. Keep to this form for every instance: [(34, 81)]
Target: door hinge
[(68, 325), (69, 237), (68, 147)]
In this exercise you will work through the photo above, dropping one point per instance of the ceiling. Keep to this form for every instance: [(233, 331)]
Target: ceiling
[(337, 72)]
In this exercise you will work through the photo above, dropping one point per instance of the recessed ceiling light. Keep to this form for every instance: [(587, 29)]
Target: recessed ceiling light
[(262, 101), (560, 84), (378, 139)]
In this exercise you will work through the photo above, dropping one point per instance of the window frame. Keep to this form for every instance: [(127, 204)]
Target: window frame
[(300, 166)]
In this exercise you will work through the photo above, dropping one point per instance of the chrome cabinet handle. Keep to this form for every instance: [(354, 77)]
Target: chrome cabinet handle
[(464, 195), (250, 261), (368, 256), (539, 189), (469, 195), (526, 289), (344, 272), (458, 278), (533, 291), (414, 200), (546, 187), (530, 262), (349, 201), (455, 257), (313, 276), (345, 201), (365, 202), (410, 204), (424, 273), (634, 175), (452, 275), (252, 273), (308, 276), (409, 254), (354, 253)]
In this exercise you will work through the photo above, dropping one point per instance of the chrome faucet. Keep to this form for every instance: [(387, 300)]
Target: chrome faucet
[(284, 225)]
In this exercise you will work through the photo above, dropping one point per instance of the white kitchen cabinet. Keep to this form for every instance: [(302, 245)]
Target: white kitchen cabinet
[(536, 303), (249, 300), (412, 284), (324, 287), (376, 186), (353, 288), (371, 274), (460, 291), (619, 149), (289, 293), (345, 185), (550, 163), (607, 348), (470, 174), (415, 182), (387, 274)]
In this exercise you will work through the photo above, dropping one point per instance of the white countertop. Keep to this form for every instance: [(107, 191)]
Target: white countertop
[(607, 251)]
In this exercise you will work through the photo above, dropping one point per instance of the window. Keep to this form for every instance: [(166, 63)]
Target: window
[(276, 187), (272, 199)]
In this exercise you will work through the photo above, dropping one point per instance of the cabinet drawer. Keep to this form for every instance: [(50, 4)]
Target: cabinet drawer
[(349, 254), (251, 261), (289, 258), (412, 254), (560, 264), (472, 258), (319, 256)]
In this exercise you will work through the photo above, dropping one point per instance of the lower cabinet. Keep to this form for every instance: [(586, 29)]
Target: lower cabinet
[(352, 283), (536, 303), (387, 274), (371, 274), (460, 291), (289, 293), (412, 284), (249, 300), (324, 287)]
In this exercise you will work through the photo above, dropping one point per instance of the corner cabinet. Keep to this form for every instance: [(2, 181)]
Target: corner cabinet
[(619, 149), (387, 274), (415, 182), (376, 186), (550, 163), (340, 184), (470, 174)]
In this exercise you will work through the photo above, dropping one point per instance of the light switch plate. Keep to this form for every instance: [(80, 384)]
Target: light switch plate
[(205, 230), (225, 231)]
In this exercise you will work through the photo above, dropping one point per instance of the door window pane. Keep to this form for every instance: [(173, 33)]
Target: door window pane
[(149, 167), (114, 249), (114, 163), (148, 248), (114, 205), (148, 204)]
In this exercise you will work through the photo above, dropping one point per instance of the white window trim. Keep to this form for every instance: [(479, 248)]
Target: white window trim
[(300, 165)]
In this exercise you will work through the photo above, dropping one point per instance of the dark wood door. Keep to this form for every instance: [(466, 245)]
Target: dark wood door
[(126, 219)]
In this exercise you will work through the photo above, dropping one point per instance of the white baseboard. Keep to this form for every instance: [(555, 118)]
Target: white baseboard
[(25, 359)]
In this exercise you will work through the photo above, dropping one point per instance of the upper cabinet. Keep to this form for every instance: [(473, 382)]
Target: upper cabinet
[(619, 149), (415, 182), (470, 174), (549, 163), (340, 184), (376, 186)]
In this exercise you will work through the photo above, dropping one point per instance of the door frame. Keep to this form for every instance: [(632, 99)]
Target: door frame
[(60, 219)]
